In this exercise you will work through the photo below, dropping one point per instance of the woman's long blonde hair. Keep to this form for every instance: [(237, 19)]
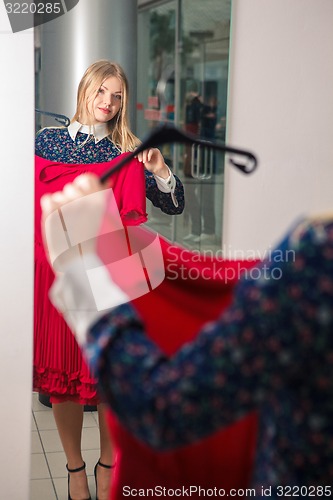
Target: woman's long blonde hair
[(119, 130)]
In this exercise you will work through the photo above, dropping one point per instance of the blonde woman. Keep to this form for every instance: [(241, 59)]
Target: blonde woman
[(98, 132)]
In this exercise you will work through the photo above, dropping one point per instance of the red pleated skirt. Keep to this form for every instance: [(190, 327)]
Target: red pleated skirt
[(59, 368)]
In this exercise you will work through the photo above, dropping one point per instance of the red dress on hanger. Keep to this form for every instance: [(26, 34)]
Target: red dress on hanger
[(59, 369)]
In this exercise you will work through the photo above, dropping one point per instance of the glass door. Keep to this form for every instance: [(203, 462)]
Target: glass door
[(156, 71), (185, 46)]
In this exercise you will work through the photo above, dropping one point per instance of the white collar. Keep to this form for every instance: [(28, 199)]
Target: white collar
[(99, 131)]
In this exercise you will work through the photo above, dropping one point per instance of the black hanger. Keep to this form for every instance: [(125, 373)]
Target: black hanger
[(166, 134), (64, 120)]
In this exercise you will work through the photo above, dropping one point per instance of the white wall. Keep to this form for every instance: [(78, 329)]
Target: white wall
[(281, 107), (16, 257)]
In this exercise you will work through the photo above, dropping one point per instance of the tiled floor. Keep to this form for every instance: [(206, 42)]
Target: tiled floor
[(48, 462)]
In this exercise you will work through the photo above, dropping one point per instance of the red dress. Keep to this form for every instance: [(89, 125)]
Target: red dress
[(195, 290), (59, 369)]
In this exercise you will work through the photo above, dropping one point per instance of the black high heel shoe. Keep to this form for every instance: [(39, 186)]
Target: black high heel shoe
[(70, 471), (95, 472)]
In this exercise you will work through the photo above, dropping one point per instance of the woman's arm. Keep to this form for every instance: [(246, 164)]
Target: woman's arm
[(40, 142), (171, 201), (163, 189)]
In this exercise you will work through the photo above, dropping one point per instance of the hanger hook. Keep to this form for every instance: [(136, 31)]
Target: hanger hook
[(248, 167)]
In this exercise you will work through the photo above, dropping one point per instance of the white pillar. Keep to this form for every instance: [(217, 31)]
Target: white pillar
[(98, 29), (16, 257)]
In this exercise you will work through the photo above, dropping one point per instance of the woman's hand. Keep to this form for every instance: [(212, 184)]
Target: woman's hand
[(81, 186), (154, 162), (72, 217)]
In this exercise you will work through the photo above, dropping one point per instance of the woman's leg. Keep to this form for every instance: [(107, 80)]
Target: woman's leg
[(69, 420), (104, 475)]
